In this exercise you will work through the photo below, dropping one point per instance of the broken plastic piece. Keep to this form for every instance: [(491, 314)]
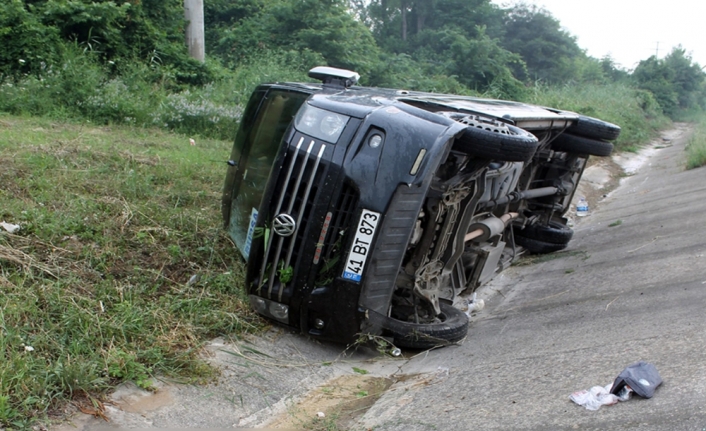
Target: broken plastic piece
[(193, 279), (12, 228)]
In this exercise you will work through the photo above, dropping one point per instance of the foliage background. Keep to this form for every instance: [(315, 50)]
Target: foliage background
[(113, 62)]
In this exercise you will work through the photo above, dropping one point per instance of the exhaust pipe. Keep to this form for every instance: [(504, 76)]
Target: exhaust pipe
[(490, 227)]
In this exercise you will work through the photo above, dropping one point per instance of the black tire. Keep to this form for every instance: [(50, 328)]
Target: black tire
[(452, 329), (554, 233), (594, 128), (494, 140), (538, 247), (580, 145)]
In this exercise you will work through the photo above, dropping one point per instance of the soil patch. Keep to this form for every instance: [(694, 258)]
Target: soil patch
[(339, 402)]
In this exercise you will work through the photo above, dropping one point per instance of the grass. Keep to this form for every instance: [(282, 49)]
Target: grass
[(94, 287), (696, 147)]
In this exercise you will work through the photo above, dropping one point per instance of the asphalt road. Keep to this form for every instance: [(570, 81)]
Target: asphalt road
[(630, 287)]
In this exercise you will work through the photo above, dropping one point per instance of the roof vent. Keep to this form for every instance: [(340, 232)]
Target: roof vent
[(334, 76)]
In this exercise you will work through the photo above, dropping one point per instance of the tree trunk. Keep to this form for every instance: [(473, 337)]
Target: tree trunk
[(193, 12), (422, 9), (403, 6), (420, 22)]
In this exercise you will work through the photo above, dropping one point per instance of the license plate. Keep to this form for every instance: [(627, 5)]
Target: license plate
[(362, 245)]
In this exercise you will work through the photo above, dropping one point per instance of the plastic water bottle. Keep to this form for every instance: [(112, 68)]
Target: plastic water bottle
[(582, 207)]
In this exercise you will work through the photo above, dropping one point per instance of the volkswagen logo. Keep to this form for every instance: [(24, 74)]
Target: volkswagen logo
[(284, 225)]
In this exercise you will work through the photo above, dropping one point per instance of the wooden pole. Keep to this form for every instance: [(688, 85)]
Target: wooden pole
[(193, 12)]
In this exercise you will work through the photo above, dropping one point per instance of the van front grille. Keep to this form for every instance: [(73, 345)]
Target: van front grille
[(296, 189)]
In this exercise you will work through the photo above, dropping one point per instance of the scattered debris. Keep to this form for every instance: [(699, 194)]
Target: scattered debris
[(193, 279), (474, 305), (12, 228), (641, 378), (595, 397)]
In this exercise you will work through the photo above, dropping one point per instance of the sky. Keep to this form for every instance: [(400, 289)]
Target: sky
[(631, 30)]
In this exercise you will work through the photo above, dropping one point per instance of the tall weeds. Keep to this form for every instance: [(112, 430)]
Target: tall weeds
[(696, 147)]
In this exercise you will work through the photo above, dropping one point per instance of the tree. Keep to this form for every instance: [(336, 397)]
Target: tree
[(26, 45), (395, 23), (675, 81), (147, 31), (306, 26), (453, 38), (612, 71), (653, 76), (688, 78), (547, 50), (479, 63)]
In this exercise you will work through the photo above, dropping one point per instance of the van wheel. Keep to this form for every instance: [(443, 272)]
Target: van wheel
[(449, 327), (553, 233), (538, 247), (491, 139), (580, 145), (594, 128)]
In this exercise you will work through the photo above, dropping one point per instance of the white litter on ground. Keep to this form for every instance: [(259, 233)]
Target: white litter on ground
[(12, 228)]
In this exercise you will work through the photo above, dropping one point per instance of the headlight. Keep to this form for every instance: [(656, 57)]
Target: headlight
[(271, 309), (321, 124), (258, 304), (279, 311)]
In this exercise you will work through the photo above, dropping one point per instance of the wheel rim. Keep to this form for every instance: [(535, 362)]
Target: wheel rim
[(484, 123)]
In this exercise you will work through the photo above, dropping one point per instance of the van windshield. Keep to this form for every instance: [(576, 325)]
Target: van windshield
[(257, 144)]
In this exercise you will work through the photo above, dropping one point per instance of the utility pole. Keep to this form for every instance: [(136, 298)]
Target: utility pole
[(193, 12)]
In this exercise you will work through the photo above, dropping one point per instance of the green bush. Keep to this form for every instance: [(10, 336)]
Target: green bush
[(207, 101), (58, 88), (148, 94), (28, 46)]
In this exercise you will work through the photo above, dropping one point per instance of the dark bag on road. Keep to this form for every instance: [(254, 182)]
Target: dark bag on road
[(642, 377)]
